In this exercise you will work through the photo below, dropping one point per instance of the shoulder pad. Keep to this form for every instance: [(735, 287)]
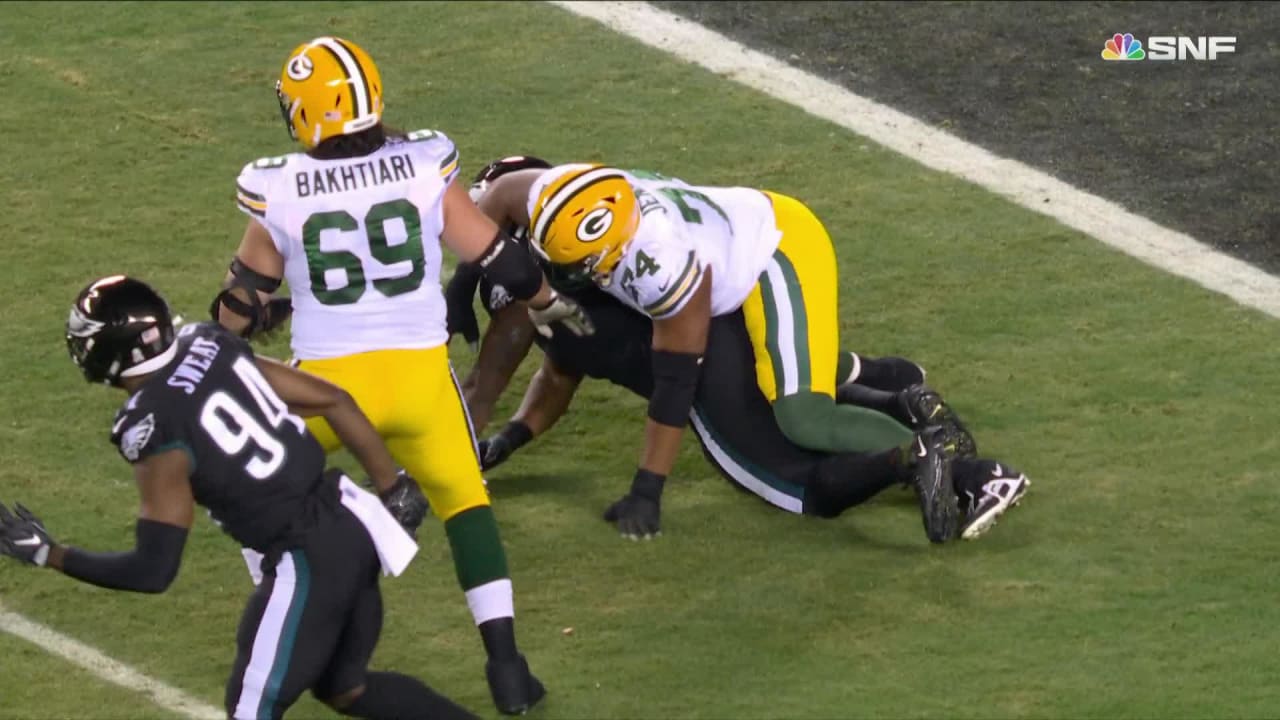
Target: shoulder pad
[(134, 432), (439, 149), (251, 185)]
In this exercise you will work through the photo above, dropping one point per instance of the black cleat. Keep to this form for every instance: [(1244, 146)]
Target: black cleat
[(939, 506), (926, 407), (515, 690), (1002, 488)]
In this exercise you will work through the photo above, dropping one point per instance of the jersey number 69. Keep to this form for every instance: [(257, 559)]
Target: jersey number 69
[(319, 262)]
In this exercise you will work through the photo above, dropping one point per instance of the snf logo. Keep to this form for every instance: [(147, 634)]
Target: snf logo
[(1125, 47)]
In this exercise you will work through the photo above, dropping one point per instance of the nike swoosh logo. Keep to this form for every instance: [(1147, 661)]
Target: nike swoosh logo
[(922, 450), (28, 542), (116, 428), (998, 471)]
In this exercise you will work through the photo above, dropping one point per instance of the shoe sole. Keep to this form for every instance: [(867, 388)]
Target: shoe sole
[(939, 505), (987, 520)]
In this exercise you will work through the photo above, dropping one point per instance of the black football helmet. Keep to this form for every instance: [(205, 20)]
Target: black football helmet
[(119, 327), (498, 168)]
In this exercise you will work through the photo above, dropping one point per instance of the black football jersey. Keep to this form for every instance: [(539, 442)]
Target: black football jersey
[(254, 465)]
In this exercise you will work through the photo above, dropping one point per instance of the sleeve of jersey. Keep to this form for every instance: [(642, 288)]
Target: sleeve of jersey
[(139, 432), (449, 165), (665, 291), (251, 196), (436, 147)]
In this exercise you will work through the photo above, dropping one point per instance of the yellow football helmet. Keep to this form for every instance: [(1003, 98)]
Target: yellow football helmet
[(329, 87), (584, 217)]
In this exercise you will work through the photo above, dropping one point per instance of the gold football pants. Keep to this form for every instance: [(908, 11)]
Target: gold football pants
[(414, 402), (792, 312)]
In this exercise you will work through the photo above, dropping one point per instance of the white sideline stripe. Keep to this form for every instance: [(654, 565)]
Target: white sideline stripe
[(1169, 250), (103, 667)]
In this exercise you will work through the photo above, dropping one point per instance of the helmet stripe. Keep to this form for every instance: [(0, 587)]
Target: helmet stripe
[(152, 364), (364, 79), (558, 199), (355, 76)]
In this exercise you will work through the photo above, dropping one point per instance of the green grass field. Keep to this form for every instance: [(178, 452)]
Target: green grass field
[(1134, 581)]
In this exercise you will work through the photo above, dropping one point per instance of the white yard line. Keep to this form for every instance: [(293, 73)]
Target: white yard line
[(112, 671), (1159, 246)]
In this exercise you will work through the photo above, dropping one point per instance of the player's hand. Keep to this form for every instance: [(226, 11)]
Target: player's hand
[(496, 449), (637, 517), (637, 513), (274, 314), (458, 300), (22, 536), (564, 311), (406, 503), (493, 451)]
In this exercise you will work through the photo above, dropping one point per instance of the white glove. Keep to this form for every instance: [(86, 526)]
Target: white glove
[(561, 310)]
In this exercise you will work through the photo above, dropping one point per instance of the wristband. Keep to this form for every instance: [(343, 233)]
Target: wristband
[(517, 434), (647, 484)]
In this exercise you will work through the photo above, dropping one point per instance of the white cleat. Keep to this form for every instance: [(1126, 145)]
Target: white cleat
[(1003, 491)]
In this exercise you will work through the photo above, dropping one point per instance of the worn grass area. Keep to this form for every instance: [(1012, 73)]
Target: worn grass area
[(1133, 582)]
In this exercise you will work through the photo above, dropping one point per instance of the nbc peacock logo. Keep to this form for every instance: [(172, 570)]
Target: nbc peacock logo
[(1123, 47)]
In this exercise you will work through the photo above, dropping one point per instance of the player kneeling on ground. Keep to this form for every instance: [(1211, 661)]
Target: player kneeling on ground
[(206, 422), (730, 415)]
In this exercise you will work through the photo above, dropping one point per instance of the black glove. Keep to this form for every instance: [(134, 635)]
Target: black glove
[(637, 513), (23, 536), (275, 313), (406, 503), (495, 450), (458, 301)]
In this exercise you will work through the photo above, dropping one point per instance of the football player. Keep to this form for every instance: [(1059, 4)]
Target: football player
[(354, 224), (730, 416), (682, 255), (207, 422)]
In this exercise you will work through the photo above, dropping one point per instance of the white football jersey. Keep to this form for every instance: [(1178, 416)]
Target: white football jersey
[(361, 243), (683, 230)]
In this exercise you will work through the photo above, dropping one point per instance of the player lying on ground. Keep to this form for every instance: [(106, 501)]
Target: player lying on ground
[(682, 255), (730, 416), (355, 224), (206, 422)]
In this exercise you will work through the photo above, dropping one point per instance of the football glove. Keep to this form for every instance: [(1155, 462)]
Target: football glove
[(495, 450), (561, 310), (22, 536), (406, 503), (458, 297), (638, 513)]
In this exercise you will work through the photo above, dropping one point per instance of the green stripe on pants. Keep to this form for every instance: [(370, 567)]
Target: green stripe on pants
[(771, 333), (799, 320), (288, 634)]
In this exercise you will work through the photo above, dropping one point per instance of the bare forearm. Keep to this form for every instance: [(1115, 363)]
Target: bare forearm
[(360, 437), (546, 400), (661, 446)]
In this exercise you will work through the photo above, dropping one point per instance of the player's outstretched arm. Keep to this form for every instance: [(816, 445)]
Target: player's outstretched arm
[(506, 342), (476, 238), (545, 401), (310, 396), (679, 341), (161, 531)]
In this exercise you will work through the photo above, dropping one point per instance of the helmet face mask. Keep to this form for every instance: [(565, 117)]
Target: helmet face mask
[(286, 111), (118, 328)]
